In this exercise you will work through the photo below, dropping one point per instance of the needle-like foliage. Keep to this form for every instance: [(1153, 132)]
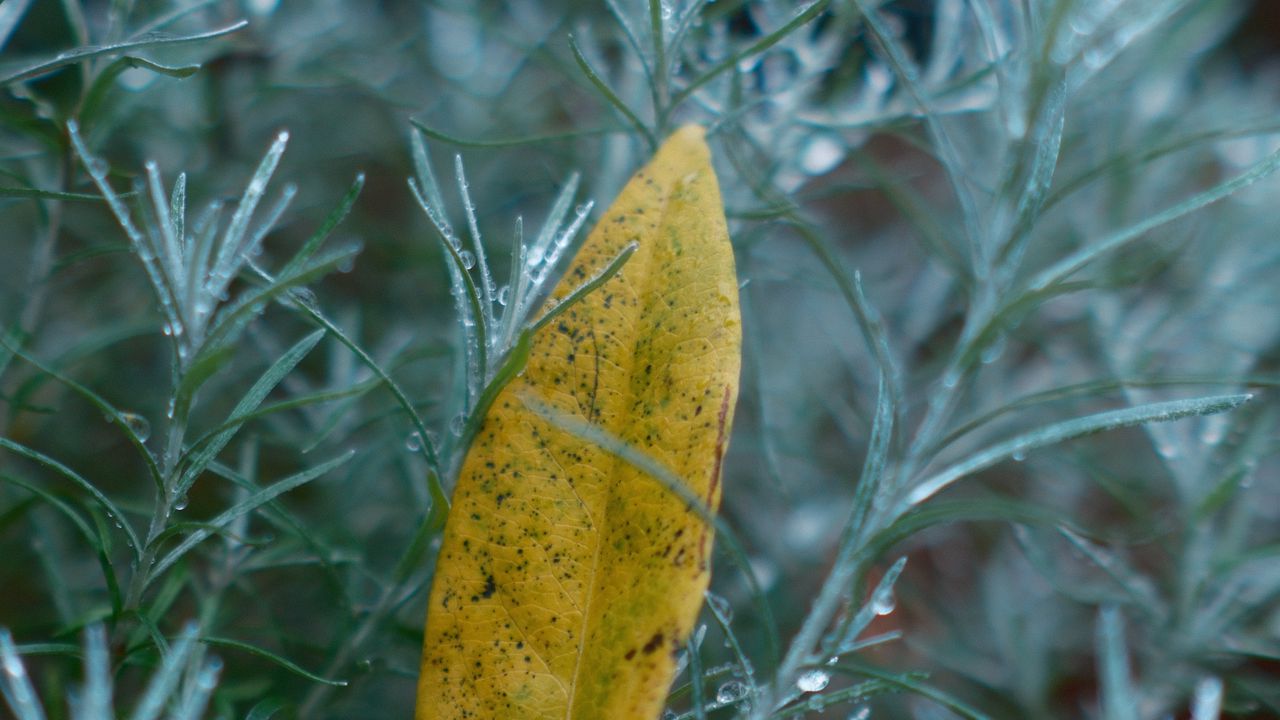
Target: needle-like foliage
[(1005, 444)]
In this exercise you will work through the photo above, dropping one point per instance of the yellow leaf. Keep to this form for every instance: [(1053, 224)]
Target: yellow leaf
[(568, 580)]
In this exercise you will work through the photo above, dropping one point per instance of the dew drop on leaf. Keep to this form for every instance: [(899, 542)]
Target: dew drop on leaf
[(1213, 430), (413, 443), (813, 681), (883, 603), (138, 424), (458, 424), (468, 259), (13, 666), (720, 606), (306, 296), (822, 153), (731, 691)]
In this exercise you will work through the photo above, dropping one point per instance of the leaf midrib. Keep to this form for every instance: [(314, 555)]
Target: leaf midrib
[(643, 287)]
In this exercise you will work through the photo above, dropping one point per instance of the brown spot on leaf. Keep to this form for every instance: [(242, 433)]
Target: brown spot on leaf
[(654, 643)]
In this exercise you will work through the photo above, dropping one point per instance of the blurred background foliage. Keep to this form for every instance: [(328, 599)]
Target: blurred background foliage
[(904, 181)]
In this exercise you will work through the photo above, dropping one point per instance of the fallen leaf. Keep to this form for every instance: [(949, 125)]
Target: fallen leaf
[(568, 580)]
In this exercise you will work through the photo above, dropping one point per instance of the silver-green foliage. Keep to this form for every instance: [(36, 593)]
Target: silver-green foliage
[(1007, 278)]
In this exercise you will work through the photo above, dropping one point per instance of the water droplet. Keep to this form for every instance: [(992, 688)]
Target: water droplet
[(721, 606), (98, 167), (822, 153), (504, 295), (1019, 456), (1168, 450), (168, 412), (167, 330), (13, 666), (1095, 57), (816, 703), (731, 691), (468, 259), (861, 713), (813, 680), (136, 79), (1015, 122), (347, 264), (413, 443), (138, 424), (306, 296), (1215, 427), (950, 380), (535, 256), (180, 503), (883, 603), (458, 424), (582, 209)]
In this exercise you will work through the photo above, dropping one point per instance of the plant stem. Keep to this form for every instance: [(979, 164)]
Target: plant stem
[(159, 516), (839, 583)]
